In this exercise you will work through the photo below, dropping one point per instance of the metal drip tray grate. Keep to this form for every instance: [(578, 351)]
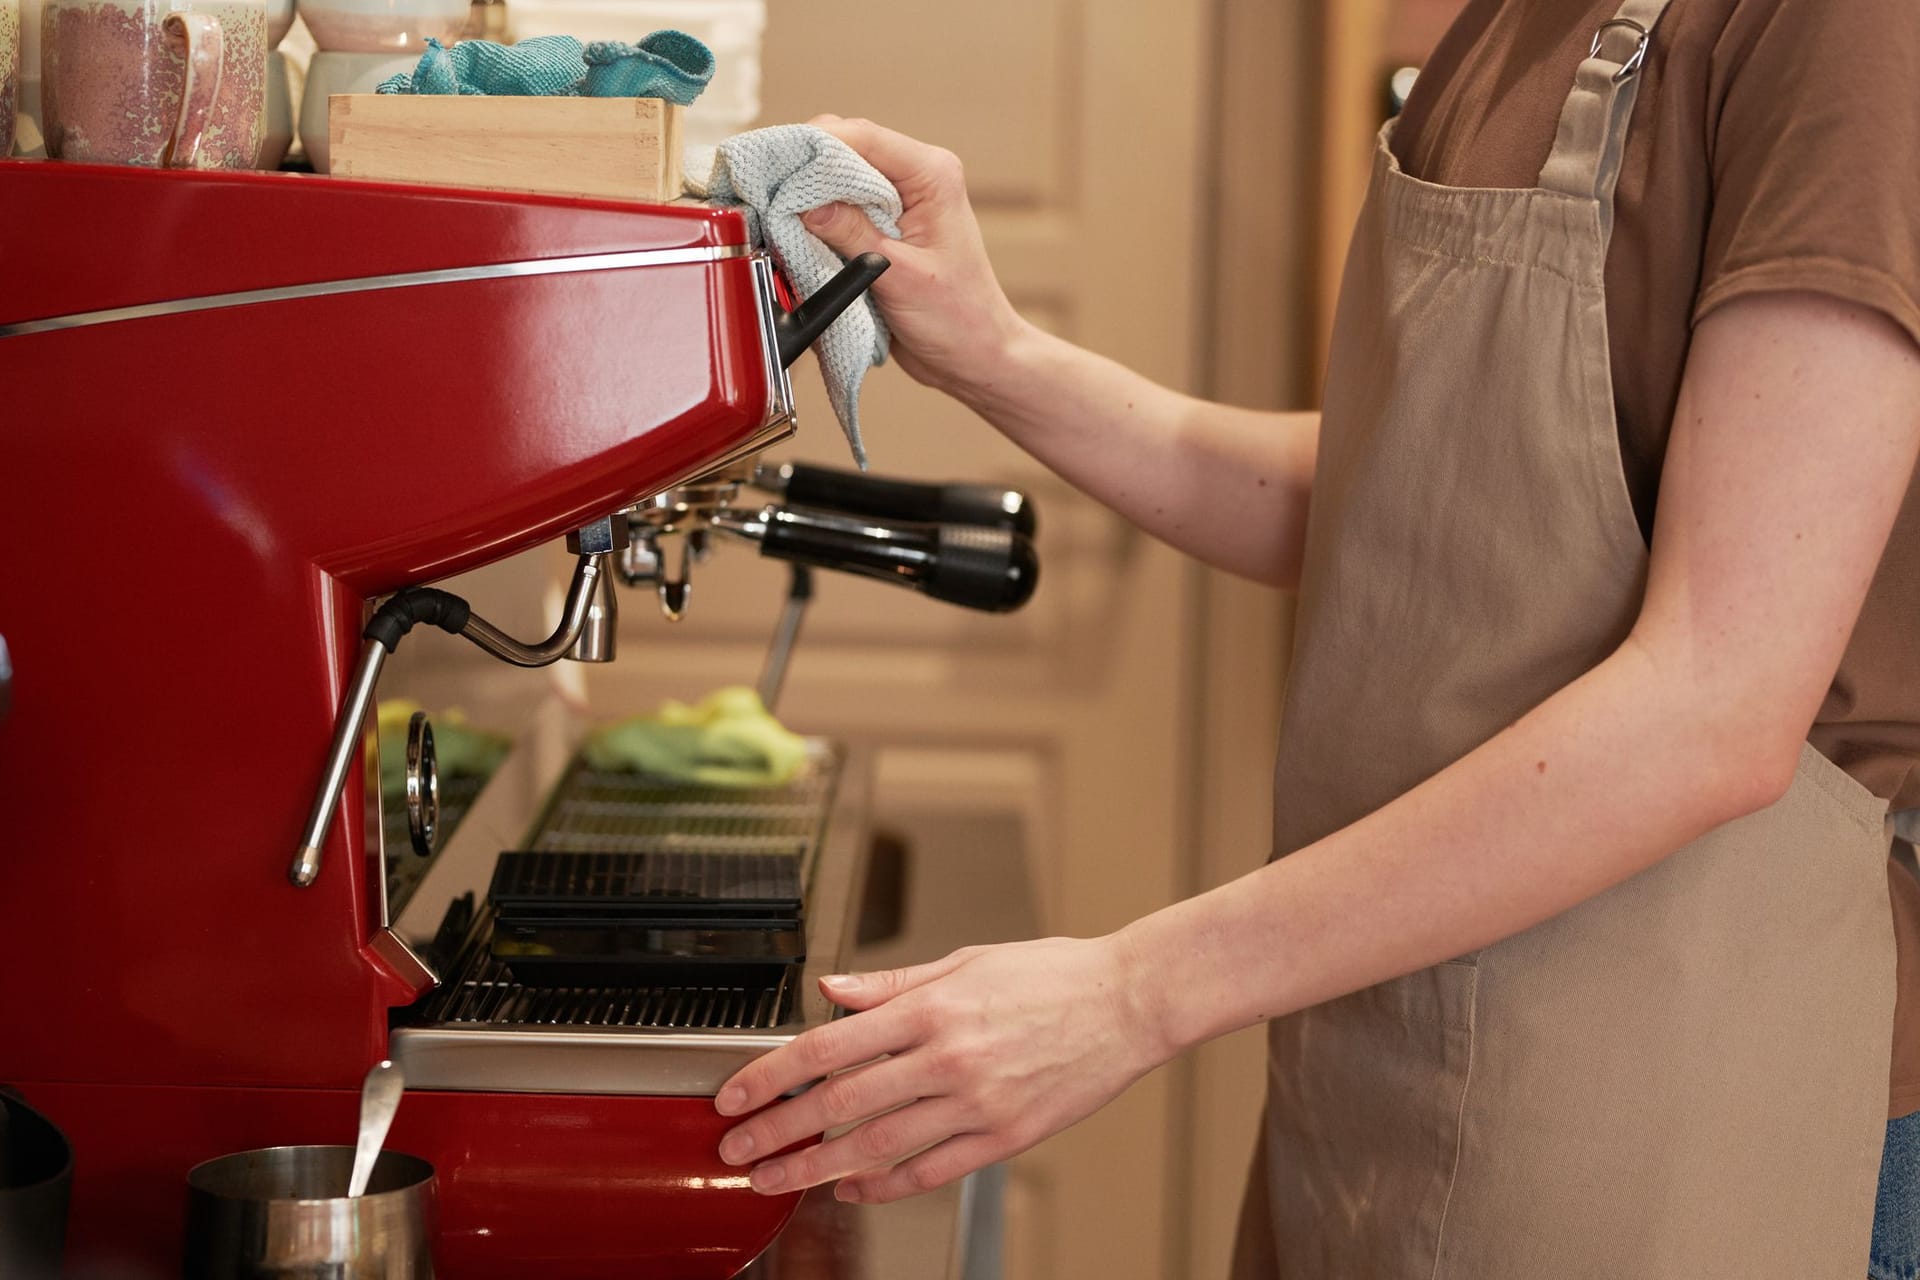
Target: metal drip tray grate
[(601, 812), (598, 881), (661, 1032), (483, 993)]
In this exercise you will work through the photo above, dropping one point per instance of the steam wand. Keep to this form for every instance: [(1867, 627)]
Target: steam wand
[(399, 615)]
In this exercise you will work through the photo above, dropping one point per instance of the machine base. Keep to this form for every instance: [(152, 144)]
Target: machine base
[(558, 1186)]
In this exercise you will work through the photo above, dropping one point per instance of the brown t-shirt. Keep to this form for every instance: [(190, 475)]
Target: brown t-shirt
[(1775, 146)]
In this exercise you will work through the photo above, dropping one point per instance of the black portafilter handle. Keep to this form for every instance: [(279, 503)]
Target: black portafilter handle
[(976, 504), (990, 569), (801, 327)]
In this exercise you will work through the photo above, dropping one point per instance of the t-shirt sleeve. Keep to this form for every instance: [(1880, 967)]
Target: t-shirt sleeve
[(1815, 153)]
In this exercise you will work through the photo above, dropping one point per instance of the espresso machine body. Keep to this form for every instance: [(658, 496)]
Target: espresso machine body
[(238, 409)]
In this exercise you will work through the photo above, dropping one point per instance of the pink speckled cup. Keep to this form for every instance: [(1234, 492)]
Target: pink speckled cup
[(161, 83), (9, 72)]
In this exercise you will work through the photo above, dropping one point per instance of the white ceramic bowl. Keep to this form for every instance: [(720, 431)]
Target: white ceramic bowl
[(279, 19), (278, 134), (383, 26), (333, 72)]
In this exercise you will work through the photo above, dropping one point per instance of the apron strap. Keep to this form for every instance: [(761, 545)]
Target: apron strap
[(1593, 125)]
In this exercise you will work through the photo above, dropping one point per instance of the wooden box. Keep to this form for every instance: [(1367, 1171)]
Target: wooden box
[(563, 146)]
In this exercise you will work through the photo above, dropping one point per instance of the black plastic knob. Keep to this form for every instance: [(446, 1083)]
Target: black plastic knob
[(801, 327)]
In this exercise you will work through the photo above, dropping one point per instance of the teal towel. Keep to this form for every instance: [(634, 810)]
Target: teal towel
[(547, 66), (666, 64)]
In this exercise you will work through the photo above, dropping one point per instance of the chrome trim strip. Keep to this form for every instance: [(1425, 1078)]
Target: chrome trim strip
[(779, 385), (403, 280)]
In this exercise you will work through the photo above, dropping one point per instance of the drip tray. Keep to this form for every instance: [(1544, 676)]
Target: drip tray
[(646, 851), (646, 919), (485, 993)]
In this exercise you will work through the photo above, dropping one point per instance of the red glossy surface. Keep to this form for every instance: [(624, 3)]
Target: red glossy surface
[(130, 235), (531, 1185), (194, 510)]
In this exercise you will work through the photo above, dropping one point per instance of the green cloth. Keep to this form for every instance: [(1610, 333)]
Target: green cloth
[(728, 739)]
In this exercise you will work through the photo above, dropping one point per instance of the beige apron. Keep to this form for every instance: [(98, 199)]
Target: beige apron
[(1685, 1076)]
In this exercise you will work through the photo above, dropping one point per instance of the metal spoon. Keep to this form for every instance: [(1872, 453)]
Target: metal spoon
[(379, 1099)]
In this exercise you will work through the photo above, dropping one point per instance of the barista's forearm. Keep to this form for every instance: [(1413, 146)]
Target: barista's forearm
[(1228, 486), (1596, 784)]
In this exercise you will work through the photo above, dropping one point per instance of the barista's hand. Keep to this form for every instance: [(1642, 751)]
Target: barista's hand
[(948, 1067), (948, 313)]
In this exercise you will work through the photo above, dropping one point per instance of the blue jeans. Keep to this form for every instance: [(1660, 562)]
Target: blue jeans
[(1896, 1215)]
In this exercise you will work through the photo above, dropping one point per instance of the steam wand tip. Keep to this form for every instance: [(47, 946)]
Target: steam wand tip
[(306, 866)]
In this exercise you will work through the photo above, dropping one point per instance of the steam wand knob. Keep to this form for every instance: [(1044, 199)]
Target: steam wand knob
[(801, 327)]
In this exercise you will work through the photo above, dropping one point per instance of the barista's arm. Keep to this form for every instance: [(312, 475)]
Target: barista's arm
[(1228, 486), (1793, 445)]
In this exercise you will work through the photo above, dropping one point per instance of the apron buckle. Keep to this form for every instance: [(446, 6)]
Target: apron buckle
[(1631, 67)]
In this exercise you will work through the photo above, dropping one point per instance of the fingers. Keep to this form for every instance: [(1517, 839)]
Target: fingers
[(931, 1169), (916, 168), (815, 1055), (875, 1145), (853, 1095), (865, 990), (847, 231), (837, 1046)]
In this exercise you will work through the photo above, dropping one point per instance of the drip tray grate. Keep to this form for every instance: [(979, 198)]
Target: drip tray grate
[(646, 839), (598, 882), (484, 993), (653, 1031), (597, 811)]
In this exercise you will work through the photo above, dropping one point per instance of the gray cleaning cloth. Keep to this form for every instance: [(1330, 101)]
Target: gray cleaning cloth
[(779, 174)]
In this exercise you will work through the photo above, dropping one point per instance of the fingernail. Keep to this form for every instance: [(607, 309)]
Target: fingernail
[(736, 1147), (840, 982), (731, 1100), (846, 1194), (769, 1177), (817, 217)]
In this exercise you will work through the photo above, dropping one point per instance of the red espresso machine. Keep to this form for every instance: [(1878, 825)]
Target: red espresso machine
[(287, 398)]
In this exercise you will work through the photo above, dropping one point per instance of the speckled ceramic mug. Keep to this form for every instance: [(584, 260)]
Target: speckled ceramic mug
[(161, 83), (9, 72)]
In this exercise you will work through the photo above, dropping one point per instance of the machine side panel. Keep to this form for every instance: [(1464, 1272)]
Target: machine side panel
[(224, 488)]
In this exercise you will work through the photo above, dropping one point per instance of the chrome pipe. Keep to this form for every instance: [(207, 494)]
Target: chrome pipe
[(586, 577), (773, 676), (346, 740), (596, 642)]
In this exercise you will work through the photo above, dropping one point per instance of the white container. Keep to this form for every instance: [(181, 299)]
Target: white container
[(333, 72), (26, 123), (277, 134), (733, 29), (279, 18), (383, 26)]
